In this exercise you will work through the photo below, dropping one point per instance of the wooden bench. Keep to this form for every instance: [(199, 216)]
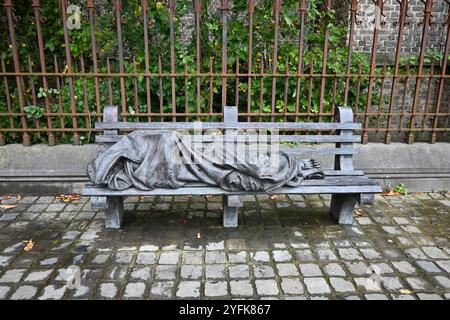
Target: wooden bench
[(347, 186)]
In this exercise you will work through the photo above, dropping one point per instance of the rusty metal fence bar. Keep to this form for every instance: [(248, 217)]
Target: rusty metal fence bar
[(393, 95)]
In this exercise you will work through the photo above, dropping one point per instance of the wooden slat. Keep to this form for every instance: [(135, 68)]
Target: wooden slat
[(302, 189), (221, 125), (330, 151), (252, 138)]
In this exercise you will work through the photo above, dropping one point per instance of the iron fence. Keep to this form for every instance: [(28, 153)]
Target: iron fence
[(159, 68)]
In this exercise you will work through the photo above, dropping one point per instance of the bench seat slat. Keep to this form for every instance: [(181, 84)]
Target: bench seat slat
[(347, 184), (253, 138), (316, 126), (89, 191)]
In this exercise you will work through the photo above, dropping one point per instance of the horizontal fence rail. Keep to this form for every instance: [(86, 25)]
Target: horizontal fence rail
[(290, 61)]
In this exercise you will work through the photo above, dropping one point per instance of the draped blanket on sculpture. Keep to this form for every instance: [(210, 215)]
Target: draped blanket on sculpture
[(168, 159)]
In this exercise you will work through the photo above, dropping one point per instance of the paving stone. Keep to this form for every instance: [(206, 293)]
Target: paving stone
[(38, 276), (169, 257), (349, 254), (317, 285), (241, 288), (376, 296), (13, 275), (261, 256), (429, 296), (443, 281), (165, 272), (134, 290), (239, 271), (215, 257), (402, 297), (4, 290), (216, 288), (419, 283), (146, 258), (263, 271), (416, 253), (357, 268), (192, 272), (237, 257), (310, 270), (101, 258), (381, 268), (342, 285), (444, 264), (215, 245), (188, 289), (435, 252), (162, 289), (123, 257), (144, 273), (371, 254), (334, 269), (217, 271), (287, 269), (53, 293), (401, 220), (24, 293), (326, 254), (266, 287), (281, 255), (404, 267), (304, 255), (291, 286), (392, 283), (108, 290), (428, 266), (49, 261), (192, 257), (4, 260), (148, 247)]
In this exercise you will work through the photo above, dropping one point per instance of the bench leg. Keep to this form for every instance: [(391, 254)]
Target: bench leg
[(114, 213), (342, 206), (230, 210)]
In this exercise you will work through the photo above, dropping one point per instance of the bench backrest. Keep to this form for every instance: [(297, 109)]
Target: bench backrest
[(339, 132)]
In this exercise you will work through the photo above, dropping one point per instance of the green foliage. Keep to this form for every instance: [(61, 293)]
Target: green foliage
[(185, 56), (400, 188)]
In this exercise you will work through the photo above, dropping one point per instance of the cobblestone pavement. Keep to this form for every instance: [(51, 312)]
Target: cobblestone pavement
[(285, 248)]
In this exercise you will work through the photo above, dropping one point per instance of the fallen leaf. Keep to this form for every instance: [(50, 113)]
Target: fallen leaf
[(406, 291), (69, 197), (29, 245), (7, 206), (358, 212), (274, 196), (391, 193), (199, 235)]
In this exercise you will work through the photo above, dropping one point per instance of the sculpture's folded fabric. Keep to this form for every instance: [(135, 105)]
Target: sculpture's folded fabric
[(166, 159)]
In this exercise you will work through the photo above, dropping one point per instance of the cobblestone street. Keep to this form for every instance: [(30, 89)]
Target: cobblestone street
[(176, 247)]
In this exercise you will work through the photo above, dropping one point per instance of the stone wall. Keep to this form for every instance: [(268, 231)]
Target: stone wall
[(389, 28)]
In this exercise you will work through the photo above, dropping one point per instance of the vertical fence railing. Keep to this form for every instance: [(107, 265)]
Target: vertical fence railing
[(279, 61)]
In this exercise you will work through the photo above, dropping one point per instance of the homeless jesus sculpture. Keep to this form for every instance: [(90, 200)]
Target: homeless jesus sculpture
[(168, 159)]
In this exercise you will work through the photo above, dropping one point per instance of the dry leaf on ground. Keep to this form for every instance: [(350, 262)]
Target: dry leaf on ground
[(358, 212), (406, 291), (7, 206), (391, 193), (69, 197), (29, 245)]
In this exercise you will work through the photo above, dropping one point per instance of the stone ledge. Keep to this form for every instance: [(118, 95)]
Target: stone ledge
[(41, 169)]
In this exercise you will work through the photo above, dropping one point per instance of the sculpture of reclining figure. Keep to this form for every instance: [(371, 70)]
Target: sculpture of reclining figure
[(166, 159)]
